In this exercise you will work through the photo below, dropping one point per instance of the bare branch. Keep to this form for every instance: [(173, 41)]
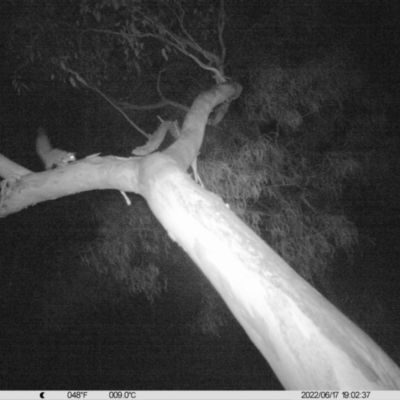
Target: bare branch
[(163, 103), (181, 45), (185, 31), (120, 111), (221, 27), (176, 42), (114, 104), (155, 106), (157, 138)]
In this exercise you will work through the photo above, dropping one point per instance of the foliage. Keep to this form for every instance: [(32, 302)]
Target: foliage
[(379, 320), (292, 203), (210, 314), (288, 95), (133, 251), (128, 246), (107, 43), (51, 38)]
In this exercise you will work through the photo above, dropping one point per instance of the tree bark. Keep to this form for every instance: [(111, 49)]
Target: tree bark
[(308, 342)]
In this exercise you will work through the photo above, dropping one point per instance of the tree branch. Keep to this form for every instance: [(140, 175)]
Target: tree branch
[(114, 104), (221, 27), (186, 149)]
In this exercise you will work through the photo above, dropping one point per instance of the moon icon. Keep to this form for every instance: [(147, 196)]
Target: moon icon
[(41, 395)]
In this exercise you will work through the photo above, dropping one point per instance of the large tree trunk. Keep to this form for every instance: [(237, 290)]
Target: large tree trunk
[(308, 342)]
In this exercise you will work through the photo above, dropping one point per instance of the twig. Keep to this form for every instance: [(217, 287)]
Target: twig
[(81, 80)]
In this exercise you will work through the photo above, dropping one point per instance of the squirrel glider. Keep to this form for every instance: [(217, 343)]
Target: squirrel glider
[(51, 157)]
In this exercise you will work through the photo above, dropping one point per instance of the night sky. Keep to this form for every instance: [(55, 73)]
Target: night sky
[(63, 325)]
